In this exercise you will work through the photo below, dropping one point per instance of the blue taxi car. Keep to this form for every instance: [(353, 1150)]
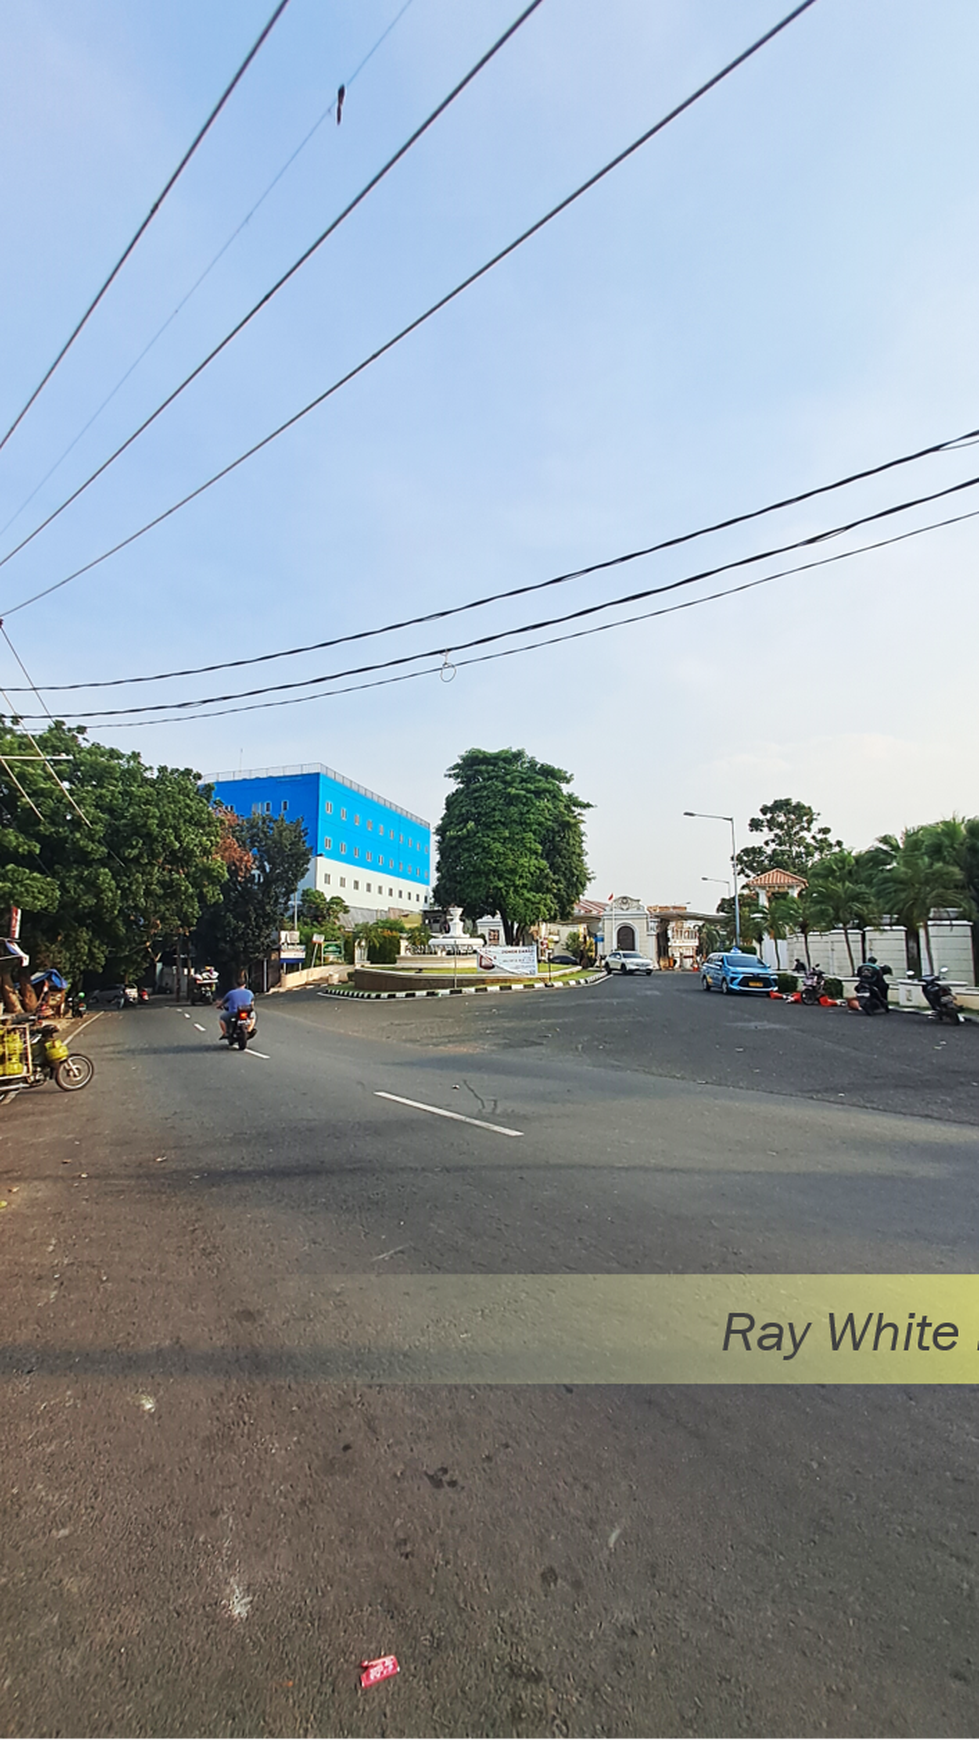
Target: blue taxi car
[(737, 971)]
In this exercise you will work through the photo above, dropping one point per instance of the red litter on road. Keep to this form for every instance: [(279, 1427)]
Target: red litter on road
[(380, 1669)]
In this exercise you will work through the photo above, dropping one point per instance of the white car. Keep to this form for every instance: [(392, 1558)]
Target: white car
[(628, 961)]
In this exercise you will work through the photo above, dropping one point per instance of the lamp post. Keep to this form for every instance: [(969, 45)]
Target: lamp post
[(708, 816), (723, 882)]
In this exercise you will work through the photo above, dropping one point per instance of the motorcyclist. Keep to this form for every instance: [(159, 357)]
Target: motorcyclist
[(239, 998), (876, 977)]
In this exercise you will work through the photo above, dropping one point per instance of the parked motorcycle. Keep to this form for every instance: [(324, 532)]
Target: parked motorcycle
[(939, 996), (32, 1053), (813, 985), (871, 989)]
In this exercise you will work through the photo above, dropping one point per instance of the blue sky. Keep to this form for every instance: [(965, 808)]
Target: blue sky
[(777, 290)]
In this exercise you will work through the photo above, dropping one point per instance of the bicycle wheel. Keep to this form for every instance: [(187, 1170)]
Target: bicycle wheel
[(74, 1072)]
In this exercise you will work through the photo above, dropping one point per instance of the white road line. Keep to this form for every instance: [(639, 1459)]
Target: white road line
[(200, 1029), (438, 1112), (85, 1024), (259, 1054), (185, 1014)]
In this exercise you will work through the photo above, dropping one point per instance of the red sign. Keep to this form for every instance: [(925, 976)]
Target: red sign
[(380, 1669), (14, 923)]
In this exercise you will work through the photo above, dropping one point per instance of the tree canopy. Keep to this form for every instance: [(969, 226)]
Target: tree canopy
[(792, 840), (271, 860), (108, 864), (511, 840)]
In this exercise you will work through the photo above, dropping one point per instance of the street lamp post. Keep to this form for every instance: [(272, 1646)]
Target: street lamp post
[(708, 816)]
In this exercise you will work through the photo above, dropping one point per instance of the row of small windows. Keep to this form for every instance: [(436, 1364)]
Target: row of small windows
[(412, 844), (411, 895)]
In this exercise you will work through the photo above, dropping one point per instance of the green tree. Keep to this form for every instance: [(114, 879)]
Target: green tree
[(792, 839), (243, 925), (383, 938), (511, 841), (842, 897), (313, 910), (781, 918), (108, 857), (918, 879), (752, 918)]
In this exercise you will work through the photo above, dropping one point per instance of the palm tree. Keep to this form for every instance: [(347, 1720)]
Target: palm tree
[(918, 880), (780, 918), (841, 898)]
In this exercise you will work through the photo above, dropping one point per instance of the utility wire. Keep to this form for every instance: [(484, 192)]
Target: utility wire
[(246, 220), (148, 219), (405, 331), (557, 639), (56, 777), (263, 301), (955, 443), (547, 622)]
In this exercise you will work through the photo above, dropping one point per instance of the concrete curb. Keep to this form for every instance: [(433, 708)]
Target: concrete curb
[(461, 990)]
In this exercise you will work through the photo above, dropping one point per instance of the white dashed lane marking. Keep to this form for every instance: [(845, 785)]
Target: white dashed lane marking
[(200, 1029), (439, 1112)]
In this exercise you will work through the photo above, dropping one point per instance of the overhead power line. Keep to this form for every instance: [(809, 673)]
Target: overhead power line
[(148, 219), (405, 331), (208, 269), (552, 640), (955, 443), (107, 713), (280, 282)]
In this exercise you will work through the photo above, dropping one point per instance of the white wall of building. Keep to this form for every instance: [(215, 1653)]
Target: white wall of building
[(362, 889), (951, 946)]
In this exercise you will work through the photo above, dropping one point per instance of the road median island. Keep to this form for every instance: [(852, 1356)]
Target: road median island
[(368, 982)]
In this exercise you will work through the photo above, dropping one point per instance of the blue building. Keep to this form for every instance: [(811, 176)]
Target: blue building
[(372, 853)]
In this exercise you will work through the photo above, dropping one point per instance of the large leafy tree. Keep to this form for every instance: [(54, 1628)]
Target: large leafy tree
[(271, 859), (109, 858), (511, 840), (793, 840)]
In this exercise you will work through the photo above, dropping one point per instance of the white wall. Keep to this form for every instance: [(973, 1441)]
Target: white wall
[(951, 946), (337, 876)]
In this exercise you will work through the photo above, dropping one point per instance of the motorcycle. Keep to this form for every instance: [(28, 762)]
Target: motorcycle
[(203, 986), (237, 1030), (939, 996), (870, 994), (813, 985), (32, 1054)]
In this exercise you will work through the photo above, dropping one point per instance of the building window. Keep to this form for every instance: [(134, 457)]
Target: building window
[(343, 815), (327, 843), (357, 885), (285, 805), (356, 821), (400, 868), (343, 848), (329, 809), (401, 839), (326, 879), (356, 851), (368, 887), (370, 825), (343, 882), (268, 809), (370, 857)]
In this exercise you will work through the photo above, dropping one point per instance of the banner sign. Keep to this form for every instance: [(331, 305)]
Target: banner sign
[(289, 938), (499, 958), (292, 952), (14, 923)]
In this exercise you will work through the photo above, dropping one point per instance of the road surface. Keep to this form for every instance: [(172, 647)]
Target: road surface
[(223, 1485)]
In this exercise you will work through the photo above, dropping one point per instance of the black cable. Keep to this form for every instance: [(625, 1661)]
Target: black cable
[(279, 283), (412, 326), (245, 221), (546, 622), (521, 591), (556, 639), (148, 219)]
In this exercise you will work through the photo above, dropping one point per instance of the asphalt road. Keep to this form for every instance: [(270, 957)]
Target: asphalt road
[(208, 1515)]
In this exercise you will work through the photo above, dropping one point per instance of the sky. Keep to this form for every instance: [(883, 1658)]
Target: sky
[(777, 290)]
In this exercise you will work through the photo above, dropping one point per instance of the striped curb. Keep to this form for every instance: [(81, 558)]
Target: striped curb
[(461, 990)]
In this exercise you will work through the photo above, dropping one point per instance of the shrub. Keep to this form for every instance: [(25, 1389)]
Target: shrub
[(833, 988), (788, 983)]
